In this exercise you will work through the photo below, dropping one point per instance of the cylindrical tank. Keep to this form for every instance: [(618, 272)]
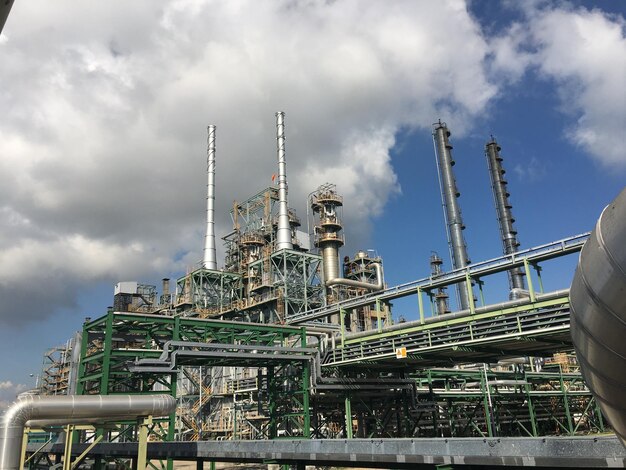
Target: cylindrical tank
[(449, 194), (508, 233), (598, 313)]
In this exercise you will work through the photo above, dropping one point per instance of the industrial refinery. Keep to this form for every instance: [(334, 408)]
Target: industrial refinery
[(285, 352)]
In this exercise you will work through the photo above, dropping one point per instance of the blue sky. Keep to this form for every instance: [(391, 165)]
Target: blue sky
[(103, 136)]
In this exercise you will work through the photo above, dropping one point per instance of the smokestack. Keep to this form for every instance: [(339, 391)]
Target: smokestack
[(210, 256), (503, 209), (452, 211), (283, 233)]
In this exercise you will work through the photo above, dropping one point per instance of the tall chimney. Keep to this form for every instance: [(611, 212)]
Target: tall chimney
[(503, 209), (283, 233), (210, 256), (452, 211)]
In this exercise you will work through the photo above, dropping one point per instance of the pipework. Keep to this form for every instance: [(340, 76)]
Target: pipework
[(452, 211), (210, 255), (72, 408), (283, 232), (508, 234)]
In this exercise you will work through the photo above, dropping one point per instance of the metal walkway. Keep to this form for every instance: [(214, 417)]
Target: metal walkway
[(474, 271)]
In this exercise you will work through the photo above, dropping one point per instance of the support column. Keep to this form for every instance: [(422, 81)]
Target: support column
[(348, 406), (142, 448)]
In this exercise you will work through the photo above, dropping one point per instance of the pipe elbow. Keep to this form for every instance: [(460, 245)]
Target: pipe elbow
[(19, 412)]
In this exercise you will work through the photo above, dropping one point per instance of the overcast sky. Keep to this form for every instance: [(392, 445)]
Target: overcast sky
[(104, 108)]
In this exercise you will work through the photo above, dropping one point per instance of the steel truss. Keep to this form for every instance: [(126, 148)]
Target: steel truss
[(116, 340)]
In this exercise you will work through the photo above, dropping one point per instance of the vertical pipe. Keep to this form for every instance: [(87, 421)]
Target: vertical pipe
[(441, 297), (452, 211), (283, 233), (503, 209), (210, 256)]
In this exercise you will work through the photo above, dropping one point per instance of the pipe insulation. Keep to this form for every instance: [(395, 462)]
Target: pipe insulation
[(330, 262), (210, 254), (283, 232), (598, 313), (72, 408), (452, 211)]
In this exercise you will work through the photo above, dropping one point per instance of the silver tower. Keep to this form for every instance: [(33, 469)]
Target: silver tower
[(283, 233), (503, 209), (210, 256), (452, 211)]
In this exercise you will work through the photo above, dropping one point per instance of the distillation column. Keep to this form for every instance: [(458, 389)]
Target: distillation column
[(325, 203), (283, 232), (210, 256), (503, 210), (452, 211), (441, 297)]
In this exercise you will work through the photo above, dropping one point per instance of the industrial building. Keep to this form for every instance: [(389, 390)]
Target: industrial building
[(286, 340)]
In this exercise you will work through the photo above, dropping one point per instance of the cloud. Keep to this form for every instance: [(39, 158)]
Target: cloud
[(106, 106), (582, 52), (533, 171), (8, 393)]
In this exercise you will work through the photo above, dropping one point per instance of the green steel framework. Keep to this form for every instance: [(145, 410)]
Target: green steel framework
[(113, 341)]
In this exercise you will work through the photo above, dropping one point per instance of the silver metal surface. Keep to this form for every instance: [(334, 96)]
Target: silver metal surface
[(210, 254), (380, 284), (74, 363), (283, 232), (5, 8), (508, 233), (598, 304), (71, 407), (452, 211), (330, 262)]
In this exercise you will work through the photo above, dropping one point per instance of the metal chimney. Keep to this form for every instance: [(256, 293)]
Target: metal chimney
[(283, 233), (503, 209), (452, 212), (210, 255)]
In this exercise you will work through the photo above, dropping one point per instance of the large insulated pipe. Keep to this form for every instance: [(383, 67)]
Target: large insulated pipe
[(452, 211), (210, 255), (508, 233), (598, 313), (72, 408), (283, 233), (5, 8)]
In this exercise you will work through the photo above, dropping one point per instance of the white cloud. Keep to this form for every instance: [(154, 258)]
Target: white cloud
[(583, 52), (106, 106), (9, 392)]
